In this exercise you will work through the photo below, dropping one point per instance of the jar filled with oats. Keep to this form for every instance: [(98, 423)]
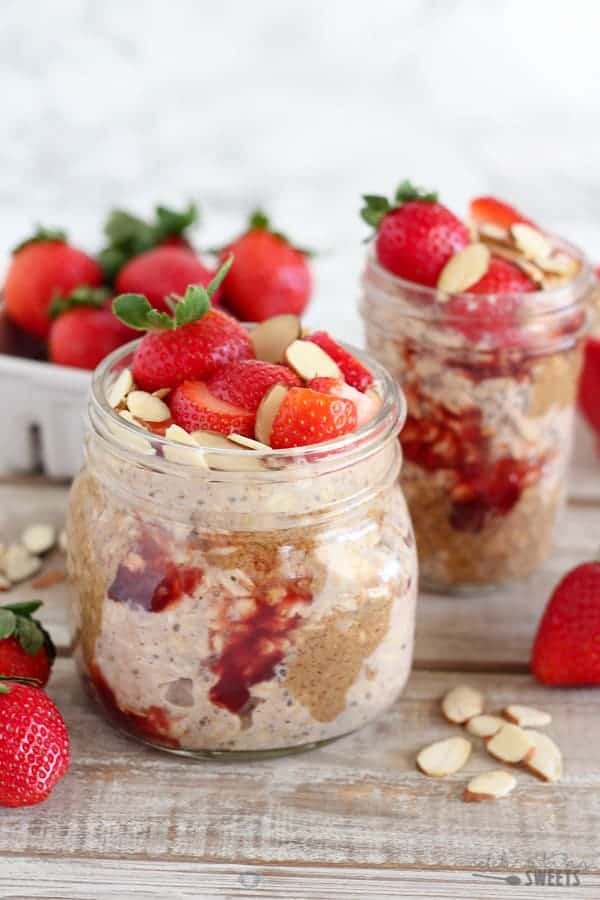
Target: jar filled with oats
[(490, 377), (236, 601)]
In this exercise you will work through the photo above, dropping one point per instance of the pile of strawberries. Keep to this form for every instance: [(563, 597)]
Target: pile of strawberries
[(62, 296)]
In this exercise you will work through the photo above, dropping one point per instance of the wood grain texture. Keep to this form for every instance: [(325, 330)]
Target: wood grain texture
[(359, 802)]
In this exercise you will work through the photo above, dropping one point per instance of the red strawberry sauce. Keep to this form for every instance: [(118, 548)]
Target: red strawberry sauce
[(153, 725)]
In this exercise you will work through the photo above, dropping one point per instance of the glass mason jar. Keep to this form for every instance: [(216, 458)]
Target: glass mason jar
[(241, 602), (490, 383)]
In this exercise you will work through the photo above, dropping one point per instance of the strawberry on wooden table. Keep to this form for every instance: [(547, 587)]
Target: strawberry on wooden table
[(270, 276), (415, 234), (84, 328), (566, 650), (42, 267), (188, 344), (34, 745), (26, 649)]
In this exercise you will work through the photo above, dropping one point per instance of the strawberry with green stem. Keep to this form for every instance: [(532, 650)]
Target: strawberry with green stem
[(84, 328), (26, 648)]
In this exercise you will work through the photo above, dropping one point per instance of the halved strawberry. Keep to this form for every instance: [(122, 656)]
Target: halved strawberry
[(194, 408), (246, 382), (491, 211), (366, 404), (356, 375), (308, 417)]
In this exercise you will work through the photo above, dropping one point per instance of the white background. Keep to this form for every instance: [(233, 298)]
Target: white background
[(297, 105)]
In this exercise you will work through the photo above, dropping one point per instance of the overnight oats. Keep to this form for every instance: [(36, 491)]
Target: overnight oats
[(482, 326), (241, 550)]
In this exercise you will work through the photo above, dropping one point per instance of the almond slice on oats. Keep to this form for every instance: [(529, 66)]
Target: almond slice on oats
[(489, 786), (309, 361), (121, 387), (181, 454), (494, 232), (526, 716), (464, 269), (559, 264), (444, 757), (133, 441), (268, 409), (161, 393), (530, 241), (39, 538), (271, 339), (546, 759), (484, 725), (462, 703), (19, 563), (531, 269), (510, 744), (225, 462), (249, 443), (147, 407)]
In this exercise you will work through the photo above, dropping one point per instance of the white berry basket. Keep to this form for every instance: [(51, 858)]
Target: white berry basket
[(44, 408)]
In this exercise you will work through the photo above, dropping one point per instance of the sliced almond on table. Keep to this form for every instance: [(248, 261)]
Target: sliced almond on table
[(484, 725), (530, 241), (510, 745), (147, 407), (268, 409), (271, 339), (464, 269), (39, 538), (19, 563), (180, 454), (444, 757), (121, 387), (546, 759), (489, 786), (462, 703), (526, 716), (247, 442), (309, 361)]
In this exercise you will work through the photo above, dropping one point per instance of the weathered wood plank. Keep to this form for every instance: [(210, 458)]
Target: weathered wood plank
[(359, 802), (100, 879)]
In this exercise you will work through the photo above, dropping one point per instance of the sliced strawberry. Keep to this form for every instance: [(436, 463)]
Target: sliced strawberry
[(308, 417), (356, 375), (366, 404), (194, 408), (491, 211), (246, 382)]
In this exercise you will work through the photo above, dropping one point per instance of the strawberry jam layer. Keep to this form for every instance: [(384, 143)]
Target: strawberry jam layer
[(442, 440), (149, 579), (256, 643)]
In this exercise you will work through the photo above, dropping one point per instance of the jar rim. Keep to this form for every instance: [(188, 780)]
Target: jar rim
[(352, 447)]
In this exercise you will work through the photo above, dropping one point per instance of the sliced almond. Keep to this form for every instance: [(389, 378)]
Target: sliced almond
[(484, 725), (462, 703), (19, 563), (161, 393), (526, 716), (181, 454), (247, 442), (444, 757), (309, 361), (226, 462), (546, 759), (530, 241), (147, 407), (121, 387), (531, 269), (464, 269), (39, 538), (4, 583), (510, 745), (63, 540), (489, 786), (559, 264), (134, 441), (268, 409), (271, 339), (494, 232)]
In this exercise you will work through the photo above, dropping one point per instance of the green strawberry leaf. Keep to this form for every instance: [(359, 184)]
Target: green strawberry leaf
[(170, 223), (4, 689), (407, 191), (193, 306), (25, 608), (8, 623), (135, 311), (80, 296), (216, 282), (259, 219), (42, 234), (375, 209), (30, 635)]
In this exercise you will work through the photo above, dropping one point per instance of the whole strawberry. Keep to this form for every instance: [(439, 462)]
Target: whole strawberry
[(160, 272), (189, 344), (270, 276), (26, 649), (566, 650), (42, 267), (34, 745), (415, 235), (85, 329), (589, 385)]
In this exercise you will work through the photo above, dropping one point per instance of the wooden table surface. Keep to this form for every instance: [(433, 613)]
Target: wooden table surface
[(354, 819)]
